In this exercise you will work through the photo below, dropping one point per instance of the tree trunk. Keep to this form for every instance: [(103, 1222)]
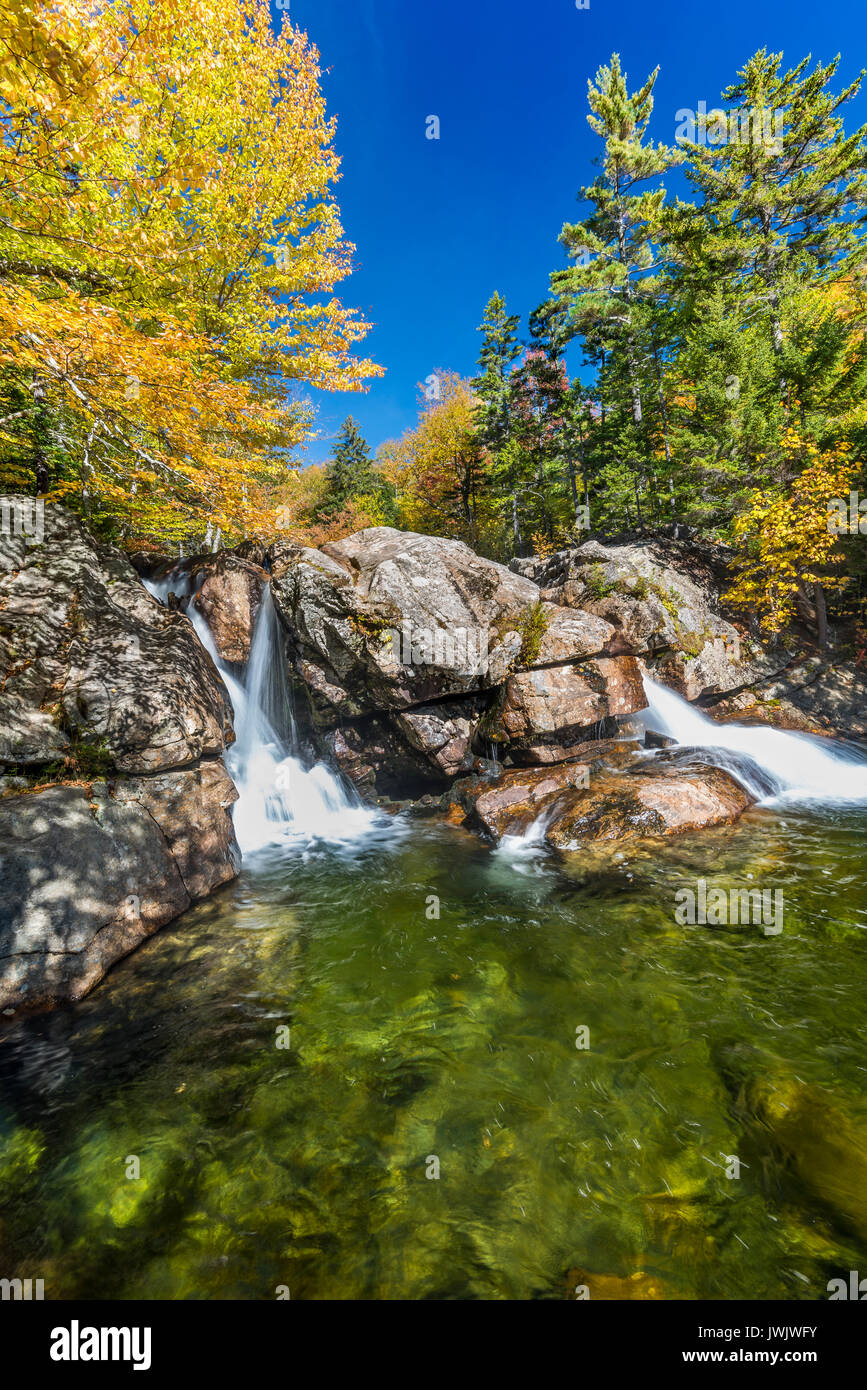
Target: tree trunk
[(516, 528), (40, 426), (821, 615)]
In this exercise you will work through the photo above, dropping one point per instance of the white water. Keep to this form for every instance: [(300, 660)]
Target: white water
[(527, 851), (771, 763), (279, 799)]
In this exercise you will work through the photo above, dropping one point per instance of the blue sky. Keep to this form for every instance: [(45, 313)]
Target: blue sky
[(440, 224)]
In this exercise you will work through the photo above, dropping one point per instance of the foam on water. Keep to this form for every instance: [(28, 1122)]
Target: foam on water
[(279, 798), (773, 764)]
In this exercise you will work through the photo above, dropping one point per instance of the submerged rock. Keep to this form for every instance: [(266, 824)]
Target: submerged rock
[(580, 1283), (804, 1134)]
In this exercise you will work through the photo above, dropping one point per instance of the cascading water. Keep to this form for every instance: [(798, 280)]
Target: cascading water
[(771, 763), (527, 851), (279, 799)]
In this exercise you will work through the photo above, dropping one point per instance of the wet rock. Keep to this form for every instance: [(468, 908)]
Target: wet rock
[(817, 696), (229, 597), (544, 714), (653, 799), (814, 1139), (87, 873), (378, 759), (145, 562), (192, 810), (514, 800), (612, 796), (654, 740)]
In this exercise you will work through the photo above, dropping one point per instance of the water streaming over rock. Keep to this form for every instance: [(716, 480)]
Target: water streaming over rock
[(279, 798), (771, 763)]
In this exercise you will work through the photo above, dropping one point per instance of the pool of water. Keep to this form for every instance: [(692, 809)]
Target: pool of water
[(161, 1140)]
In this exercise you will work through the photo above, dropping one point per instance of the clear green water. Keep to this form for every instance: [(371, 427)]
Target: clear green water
[(410, 1037)]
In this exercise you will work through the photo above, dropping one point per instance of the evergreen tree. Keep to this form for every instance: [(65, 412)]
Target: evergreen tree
[(500, 350), (494, 394), (349, 473), (607, 295), (782, 191)]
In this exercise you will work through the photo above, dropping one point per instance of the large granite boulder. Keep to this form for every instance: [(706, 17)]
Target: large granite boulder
[(88, 872), (612, 795), (386, 620), (92, 669), (408, 637), (114, 801), (664, 597)]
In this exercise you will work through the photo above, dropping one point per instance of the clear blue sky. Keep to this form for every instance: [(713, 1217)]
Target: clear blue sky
[(439, 225)]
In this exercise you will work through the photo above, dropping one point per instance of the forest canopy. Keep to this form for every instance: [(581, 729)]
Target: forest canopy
[(171, 249)]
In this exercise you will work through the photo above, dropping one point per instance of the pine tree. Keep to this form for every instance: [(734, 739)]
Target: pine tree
[(494, 393), (764, 349), (606, 296), (782, 190), (350, 471)]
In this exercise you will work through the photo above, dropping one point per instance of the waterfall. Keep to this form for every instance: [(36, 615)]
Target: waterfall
[(526, 852), (279, 799), (770, 763)]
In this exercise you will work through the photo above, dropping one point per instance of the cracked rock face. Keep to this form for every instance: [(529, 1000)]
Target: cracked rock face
[(87, 874), (662, 597), (612, 797), (387, 620), (87, 657), (399, 640), (229, 599), (116, 809)]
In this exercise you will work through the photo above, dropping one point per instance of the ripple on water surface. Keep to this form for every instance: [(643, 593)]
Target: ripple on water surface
[(415, 1037)]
